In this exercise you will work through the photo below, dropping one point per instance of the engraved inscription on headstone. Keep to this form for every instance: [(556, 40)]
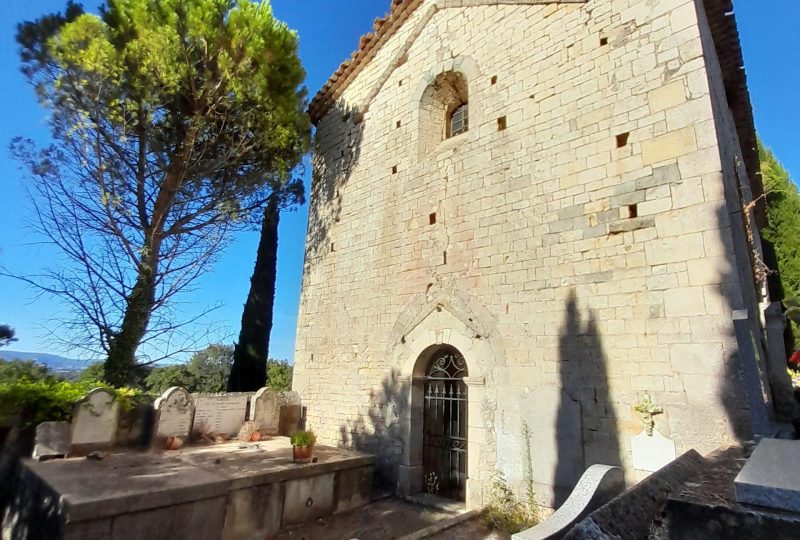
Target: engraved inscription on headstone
[(652, 453), (220, 413), (174, 411), (265, 411), (95, 420)]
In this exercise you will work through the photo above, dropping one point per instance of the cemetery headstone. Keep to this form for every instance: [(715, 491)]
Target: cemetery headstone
[(52, 440), (291, 413), (220, 413), (174, 410), (265, 411), (94, 424), (652, 452)]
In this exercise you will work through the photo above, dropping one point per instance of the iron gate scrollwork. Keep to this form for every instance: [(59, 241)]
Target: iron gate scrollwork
[(444, 443)]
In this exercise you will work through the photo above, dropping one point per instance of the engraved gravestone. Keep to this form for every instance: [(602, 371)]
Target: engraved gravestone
[(265, 411), (94, 424), (174, 411), (291, 413), (52, 440), (220, 413)]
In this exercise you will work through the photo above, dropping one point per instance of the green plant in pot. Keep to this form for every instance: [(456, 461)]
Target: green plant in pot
[(303, 446)]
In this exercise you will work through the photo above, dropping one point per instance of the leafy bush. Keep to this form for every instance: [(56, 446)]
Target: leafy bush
[(28, 402), (279, 375), (13, 370), (208, 371), (305, 439)]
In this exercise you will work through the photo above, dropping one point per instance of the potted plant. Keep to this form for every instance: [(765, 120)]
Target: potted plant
[(303, 446)]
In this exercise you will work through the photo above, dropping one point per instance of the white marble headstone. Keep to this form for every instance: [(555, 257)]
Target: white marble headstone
[(265, 411), (652, 453), (174, 411), (95, 420), (220, 413)]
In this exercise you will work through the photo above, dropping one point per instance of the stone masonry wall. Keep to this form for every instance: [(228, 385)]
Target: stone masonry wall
[(579, 257)]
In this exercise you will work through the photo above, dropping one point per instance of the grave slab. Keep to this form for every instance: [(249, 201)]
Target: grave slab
[(705, 506), (770, 477), (220, 413), (232, 491)]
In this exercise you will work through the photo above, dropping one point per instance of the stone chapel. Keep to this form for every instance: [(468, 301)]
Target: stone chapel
[(531, 220)]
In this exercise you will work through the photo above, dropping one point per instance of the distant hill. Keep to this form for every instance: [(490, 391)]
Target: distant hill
[(54, 362)]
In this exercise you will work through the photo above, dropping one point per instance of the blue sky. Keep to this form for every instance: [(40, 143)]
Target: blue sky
[(329, 32)]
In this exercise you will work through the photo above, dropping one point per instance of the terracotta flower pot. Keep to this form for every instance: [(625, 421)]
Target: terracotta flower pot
[(173, 443), (302, 454), (256, 436)]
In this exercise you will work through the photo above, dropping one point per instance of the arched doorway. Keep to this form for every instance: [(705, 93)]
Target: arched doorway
[(444, 435)]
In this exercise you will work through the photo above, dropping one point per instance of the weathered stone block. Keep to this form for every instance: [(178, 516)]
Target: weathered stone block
[(669, 146), (667, 96), (307, 499)]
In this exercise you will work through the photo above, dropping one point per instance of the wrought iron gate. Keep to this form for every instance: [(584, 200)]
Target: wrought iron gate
[(444, 442)]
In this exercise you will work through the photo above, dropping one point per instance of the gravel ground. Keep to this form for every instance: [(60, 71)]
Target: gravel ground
[(381, 520), (386, 519)]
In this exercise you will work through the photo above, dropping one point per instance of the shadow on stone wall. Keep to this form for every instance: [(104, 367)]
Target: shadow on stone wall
[(732, 390), (585, 401), (380, 431), (332, 165)]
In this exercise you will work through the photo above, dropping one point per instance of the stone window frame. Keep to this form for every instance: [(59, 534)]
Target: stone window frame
[(468, 69)]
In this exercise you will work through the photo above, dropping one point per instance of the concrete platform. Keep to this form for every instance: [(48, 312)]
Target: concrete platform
[(230, 491)]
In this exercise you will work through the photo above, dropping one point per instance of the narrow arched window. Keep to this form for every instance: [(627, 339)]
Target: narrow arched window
[(444, 110), (458, 122)]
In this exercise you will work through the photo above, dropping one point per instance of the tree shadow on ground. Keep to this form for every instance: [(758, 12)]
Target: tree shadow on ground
[(586, 425)]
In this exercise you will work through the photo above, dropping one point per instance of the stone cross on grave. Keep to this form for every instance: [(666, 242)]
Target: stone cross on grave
[(648, 410)]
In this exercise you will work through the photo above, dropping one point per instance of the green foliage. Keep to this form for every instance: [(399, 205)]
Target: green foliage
[(172, 122), (93, 372), (783, 228), (28, 402), (209, 369), (304, 439), (163, 378), (279, 375), (505, 512), (13, 370), (6, 335)]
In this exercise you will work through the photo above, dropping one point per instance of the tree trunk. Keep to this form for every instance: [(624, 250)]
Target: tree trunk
[(120, 366), (249, 370)]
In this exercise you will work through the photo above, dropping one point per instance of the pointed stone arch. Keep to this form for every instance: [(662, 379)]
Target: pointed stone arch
[(448, 316)]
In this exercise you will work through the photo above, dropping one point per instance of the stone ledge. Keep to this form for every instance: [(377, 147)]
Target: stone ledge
[(66, 497)]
